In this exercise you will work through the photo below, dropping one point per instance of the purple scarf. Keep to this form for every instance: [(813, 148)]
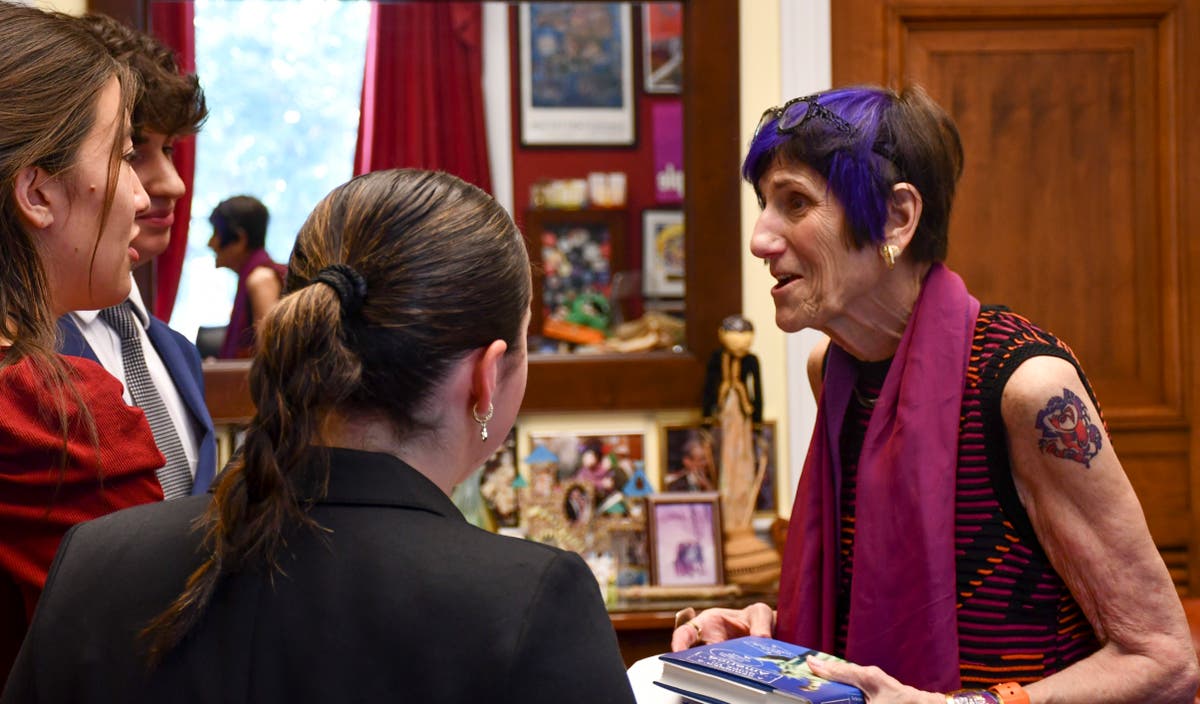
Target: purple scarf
[(902, 602), (239, 336)]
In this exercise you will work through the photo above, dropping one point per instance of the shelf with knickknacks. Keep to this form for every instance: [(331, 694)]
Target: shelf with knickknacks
[(605, 525), (733, 402)]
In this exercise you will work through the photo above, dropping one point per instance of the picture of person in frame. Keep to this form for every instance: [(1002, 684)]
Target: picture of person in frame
[(685, 543), (696, 470), (577, 505)]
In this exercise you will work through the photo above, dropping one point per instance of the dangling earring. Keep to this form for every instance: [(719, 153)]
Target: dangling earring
[(482, 421), (889, 252)]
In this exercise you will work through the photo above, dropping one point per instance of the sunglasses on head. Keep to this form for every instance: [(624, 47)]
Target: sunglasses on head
[(793, 115)]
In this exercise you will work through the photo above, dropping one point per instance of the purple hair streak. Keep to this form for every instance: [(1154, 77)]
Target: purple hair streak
[(863, 140)]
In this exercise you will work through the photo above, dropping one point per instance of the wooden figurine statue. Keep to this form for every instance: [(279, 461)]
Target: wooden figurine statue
[(733, 369), (733, 401)]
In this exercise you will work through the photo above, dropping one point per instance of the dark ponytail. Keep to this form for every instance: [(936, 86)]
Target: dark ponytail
[(445, 273)]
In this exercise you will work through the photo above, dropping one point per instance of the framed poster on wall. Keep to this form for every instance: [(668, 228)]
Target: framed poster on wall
[(576, 71), (578, 251), (662, 253), (662, 46)]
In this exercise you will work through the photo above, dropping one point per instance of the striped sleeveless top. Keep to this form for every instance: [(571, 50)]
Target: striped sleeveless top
[(1017, 621)]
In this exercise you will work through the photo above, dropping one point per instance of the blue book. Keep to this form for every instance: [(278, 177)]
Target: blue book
[(752, 670)]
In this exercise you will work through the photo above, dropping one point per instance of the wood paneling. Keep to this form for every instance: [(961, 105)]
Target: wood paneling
[(1072, 206)]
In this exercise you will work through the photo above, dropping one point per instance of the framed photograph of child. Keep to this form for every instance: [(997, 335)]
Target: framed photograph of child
[(684, 531)]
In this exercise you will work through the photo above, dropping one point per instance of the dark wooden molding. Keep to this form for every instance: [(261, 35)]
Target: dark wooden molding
[(227, 391)]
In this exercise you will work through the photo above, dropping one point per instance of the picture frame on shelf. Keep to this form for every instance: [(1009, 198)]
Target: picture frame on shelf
[(488, 498), (690, 452), (689, 455), (662, 47), (684, 532), (663, 246), (496, 483), (577, 251), (767, 504), (573, 499), (604, 461), (576, 74)]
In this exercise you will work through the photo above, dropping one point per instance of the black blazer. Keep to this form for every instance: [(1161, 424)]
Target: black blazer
[(401, 601)]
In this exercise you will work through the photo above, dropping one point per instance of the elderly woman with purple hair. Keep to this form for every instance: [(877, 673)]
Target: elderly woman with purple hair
[(963, 530)]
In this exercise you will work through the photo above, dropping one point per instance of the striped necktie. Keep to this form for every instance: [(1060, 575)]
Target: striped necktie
[(175, 476)]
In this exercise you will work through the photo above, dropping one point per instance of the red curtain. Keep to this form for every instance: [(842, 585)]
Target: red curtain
[(422, 100), (172, 23)]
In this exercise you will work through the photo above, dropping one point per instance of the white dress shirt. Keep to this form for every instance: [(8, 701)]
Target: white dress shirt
[(106, 343)]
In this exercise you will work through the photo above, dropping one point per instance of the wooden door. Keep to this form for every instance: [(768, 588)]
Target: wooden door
[(1080, 203)]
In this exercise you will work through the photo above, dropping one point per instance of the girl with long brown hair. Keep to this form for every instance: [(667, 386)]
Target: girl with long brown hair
[(331, 564), (70, 450)]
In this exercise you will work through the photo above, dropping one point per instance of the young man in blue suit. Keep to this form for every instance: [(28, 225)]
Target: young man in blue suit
[(170, 106)]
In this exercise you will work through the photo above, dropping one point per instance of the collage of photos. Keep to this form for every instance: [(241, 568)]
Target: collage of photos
[(591, 492)]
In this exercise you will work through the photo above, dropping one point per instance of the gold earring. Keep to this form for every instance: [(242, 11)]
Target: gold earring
[(482, 421), (889, 252)]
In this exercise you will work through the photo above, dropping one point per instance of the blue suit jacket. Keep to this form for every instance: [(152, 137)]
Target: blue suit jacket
[(183, 364)]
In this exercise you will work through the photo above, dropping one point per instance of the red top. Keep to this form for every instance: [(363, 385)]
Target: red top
[(38, 501), (239, 335)]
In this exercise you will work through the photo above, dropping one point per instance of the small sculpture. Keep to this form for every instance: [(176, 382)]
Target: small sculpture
[(733, 368), (733, 399)]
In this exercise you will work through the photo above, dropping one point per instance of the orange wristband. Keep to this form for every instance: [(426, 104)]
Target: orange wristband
[(1011, 693)]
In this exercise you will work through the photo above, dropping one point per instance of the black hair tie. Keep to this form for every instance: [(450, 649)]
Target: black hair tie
[(350, 286)]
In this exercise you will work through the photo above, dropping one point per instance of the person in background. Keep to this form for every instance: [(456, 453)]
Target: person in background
[(331, 565), (962, 519), (70, 449), (239, 240), (159, 368)]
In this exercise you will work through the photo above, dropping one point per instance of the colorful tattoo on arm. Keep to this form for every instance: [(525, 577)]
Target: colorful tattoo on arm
[(1067, 431)]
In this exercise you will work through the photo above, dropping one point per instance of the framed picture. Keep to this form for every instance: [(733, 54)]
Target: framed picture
[(487, 498), (576, 74), (684, 532), (764, 441), (662, 253), (662, 47), (573, 499), (632, 554), (692, 453), (600, 462), (689, 458), (496, 483), (576, 251)]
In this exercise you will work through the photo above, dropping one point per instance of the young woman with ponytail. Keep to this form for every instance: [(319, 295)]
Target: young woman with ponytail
[(70, 449), (331, 565)]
